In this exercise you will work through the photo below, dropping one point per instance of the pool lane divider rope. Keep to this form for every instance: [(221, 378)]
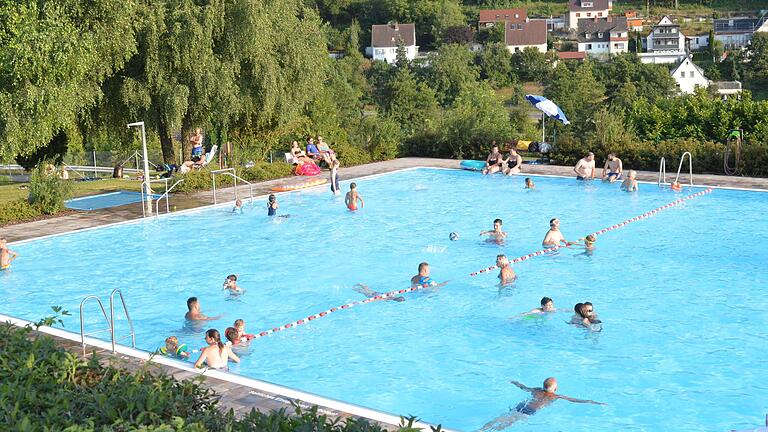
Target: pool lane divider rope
[(310, 318), (602, 231), (391, 294)]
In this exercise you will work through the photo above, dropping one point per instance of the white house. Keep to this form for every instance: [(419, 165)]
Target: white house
[(665, 43), (737, 32), (689, 76), (603, 37), (385, 39), (697, 42), (586, 9)]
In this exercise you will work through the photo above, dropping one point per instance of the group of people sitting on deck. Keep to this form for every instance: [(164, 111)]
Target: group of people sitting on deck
[(315, 153), (508, 164)]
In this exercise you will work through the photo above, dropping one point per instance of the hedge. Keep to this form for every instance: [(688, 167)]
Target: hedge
[(45, 387)]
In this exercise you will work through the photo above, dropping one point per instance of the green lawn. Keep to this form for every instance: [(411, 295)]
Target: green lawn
[(10, 191)]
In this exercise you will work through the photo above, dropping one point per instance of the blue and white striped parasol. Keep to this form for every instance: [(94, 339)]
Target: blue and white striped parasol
[(548, 107)]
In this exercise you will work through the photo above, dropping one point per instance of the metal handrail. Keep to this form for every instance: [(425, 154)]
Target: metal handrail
[(213, 178), (127, 316), (82, 320), (148, 184), (662, 171), (165, 195), (690, 167), (250, 185)]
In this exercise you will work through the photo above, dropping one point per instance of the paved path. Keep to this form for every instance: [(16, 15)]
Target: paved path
[(81, 220)]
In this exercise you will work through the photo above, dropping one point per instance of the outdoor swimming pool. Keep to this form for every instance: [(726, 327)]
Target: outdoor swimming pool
[(680, 295)]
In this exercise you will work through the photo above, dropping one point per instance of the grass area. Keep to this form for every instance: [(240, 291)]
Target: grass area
[(9, 191)]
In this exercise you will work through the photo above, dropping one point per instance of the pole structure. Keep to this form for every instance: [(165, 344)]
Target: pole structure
[(145, 186), (543, 116)]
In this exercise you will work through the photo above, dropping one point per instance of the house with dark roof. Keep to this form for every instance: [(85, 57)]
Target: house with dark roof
[(737, 32), (586, 9), (665, 43), (386, 38), (603, 37), (520, 32)]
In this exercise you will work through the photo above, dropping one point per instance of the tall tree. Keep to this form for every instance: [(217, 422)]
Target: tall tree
[(53, 57), (495, 62), (451, 69)]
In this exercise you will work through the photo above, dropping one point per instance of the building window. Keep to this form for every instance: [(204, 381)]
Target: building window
[(599, 14), (578, 14), (682, 74), (379, 52), (600, 34), (690, 74), (589, 14), (589, 47)]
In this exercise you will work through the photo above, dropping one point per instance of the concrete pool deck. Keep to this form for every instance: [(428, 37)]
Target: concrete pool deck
[(81, 220), (243, 398)]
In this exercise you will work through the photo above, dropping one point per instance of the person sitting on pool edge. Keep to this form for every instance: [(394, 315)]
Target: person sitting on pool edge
[(554, 237), (630, 183), (216, 354), (493, 161), (547, 306), (513, 163), (6, 255), (613, 167), (506, 274), (194, 314), (496, 235), (353, 197), (423, 280), (541, 397)]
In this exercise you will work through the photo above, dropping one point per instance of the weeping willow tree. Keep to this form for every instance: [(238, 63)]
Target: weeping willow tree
[(54, 55)]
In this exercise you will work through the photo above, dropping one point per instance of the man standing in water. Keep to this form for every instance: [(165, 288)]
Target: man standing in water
[(585, 168), (422, 279), (541, 397), (553, 237)]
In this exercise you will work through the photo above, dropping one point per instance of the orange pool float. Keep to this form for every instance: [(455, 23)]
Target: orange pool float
[(302, 184)]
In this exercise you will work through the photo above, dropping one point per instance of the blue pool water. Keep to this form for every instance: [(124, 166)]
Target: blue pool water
[(101, 201), (681, 296)]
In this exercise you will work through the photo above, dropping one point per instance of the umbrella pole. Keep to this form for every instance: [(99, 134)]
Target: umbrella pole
[(543, 116)]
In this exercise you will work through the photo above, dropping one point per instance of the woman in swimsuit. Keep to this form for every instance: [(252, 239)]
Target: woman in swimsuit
[(513, 162), (493, 161), (506, 275), (216, 354)]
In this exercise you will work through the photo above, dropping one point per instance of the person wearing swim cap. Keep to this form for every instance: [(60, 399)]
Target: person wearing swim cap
[(496, 234), (353, 197), (541, 397), (422, 279), (554, 237)]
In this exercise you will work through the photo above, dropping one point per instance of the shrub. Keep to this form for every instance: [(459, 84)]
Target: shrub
[(17, 210), (265, 171), (48, 388), (197, 180), (47, 191)]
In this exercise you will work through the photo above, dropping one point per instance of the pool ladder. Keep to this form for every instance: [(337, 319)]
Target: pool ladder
[(663, 169), (232, 173), (110, 320)]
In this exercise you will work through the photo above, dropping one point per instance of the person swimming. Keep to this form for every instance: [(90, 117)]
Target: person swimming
[(423, 280), (272, 205), (547, 306), (541, 397), (173, 348), (238, 206), (6, 255), (230, 283), (529, 183), (353, 197), (366, 291), (496, 234), (194, 314), (554, 237), (216, 354), (584, 315), (630, 183), (506, 274)]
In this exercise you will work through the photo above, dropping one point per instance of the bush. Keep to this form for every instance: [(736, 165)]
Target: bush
[(47, 191), (265, 171), (16, 211), (48, 388)]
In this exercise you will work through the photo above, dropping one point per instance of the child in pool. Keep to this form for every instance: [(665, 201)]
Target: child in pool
[(241, 334), (353, 197), (272, 205), (173, 349), (529, 183), (230, 283), (335, 177), (238, 206)]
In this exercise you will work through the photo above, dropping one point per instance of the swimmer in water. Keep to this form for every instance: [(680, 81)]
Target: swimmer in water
[(506, 274), (366, 291), (630, 183), (423, 280), (589, 242), (353, 197), (540, 398), (529, 183), (173, 348), (216, 354), (194, 314), (675, 186), (335, 177), (272, 205), (496, 235), (6, 255), (554, 237), (238, 206), (230, 283), (584, 315), (239, 325), (547, 306)]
